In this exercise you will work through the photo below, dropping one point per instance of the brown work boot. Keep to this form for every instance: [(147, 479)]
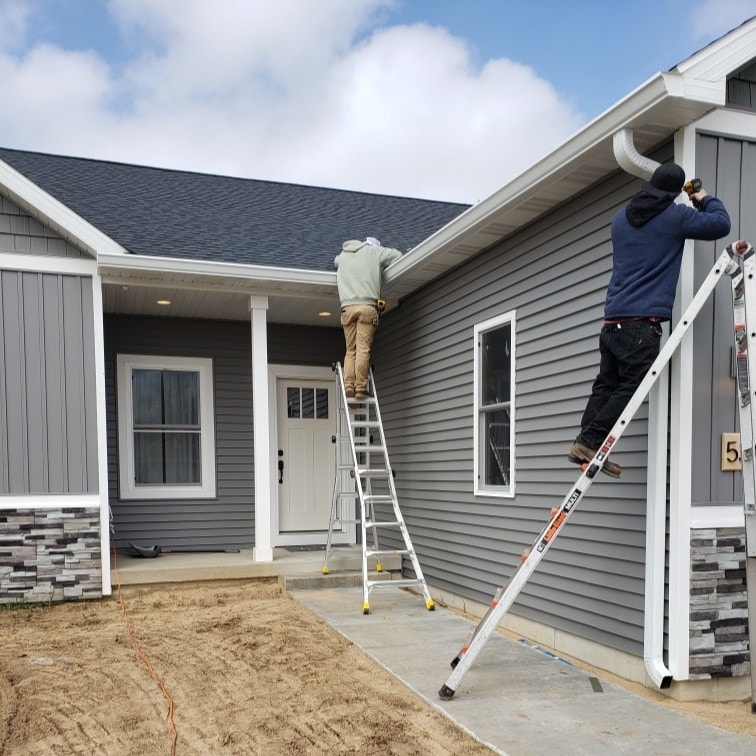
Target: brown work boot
[(349, 391), (580, 454)]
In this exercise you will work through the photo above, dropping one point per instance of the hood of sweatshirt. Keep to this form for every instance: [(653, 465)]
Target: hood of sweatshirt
[(352, 245)]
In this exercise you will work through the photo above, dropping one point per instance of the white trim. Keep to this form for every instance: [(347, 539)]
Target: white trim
[(299, 372), (102, 433), (735, 124), (263, 549), (681, 448), (127, 489), (55, 214), (717, 517), (509, 318), (49, 501), (74, 266)]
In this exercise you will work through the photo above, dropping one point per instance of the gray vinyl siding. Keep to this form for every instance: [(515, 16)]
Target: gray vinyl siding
[(227, 521), (741, 88), (21, 233), (727, 168), (48, 425), (553, 274)]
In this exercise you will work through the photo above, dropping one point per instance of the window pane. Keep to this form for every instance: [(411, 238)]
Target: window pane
[(147, 397), (496, 453), (172, 458), (292, 402), (321, 400), (496, 366), (308, 402), (148, 458), (182, 457), (180, 397)]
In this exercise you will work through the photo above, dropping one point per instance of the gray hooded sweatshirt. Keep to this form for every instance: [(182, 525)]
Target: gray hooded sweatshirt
[(359, 269)]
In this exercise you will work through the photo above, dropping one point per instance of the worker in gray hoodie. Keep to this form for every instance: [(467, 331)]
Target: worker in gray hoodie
[(359, 273)]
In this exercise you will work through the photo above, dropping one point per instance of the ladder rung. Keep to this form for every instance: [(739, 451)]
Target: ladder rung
[(387, 552), (365, 424), (383, 524), (379, 498), (368, 472), (394, 583)]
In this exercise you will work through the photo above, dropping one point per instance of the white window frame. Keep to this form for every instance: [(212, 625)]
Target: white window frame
[(206, 489), (480, 488)]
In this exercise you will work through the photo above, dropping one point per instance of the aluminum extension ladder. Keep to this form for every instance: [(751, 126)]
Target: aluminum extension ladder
[(739, 262), (364, 473)]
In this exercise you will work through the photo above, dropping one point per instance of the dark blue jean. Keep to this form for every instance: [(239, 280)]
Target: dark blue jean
[(627, 351)]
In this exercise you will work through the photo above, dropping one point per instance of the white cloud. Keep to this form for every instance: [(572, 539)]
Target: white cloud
[(289, 91), (13, 19), (712, 18)]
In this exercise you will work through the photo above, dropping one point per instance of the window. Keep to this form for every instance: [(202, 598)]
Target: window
[(494, 406), (307, 403), (165, 428)]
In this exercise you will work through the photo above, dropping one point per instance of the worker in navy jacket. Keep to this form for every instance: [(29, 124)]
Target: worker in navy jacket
[(648, 236)]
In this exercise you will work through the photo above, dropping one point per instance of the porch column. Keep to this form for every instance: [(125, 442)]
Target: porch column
[(263, 549)]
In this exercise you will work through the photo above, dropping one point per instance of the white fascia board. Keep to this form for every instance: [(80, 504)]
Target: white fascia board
[(723, 56), (109, 264), (55, 214), (622, 115)]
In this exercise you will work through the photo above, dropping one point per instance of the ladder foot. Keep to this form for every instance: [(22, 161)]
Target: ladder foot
[(325, 570), (446, 692), (366, 608), (379, 567), (430, 606), (453, 663)]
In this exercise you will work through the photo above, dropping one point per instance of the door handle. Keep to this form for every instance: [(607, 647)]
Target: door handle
[(280, 466)]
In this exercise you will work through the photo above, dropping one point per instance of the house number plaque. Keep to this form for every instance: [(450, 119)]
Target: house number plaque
[(731, 459)]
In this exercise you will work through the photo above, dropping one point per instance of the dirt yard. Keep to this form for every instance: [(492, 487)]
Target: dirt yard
[(240, 669), (249, 671)]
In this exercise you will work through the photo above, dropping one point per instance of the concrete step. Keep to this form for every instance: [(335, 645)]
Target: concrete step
[(308, 581)]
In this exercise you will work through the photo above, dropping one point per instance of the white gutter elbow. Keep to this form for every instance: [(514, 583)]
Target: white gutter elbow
[(628, 158)]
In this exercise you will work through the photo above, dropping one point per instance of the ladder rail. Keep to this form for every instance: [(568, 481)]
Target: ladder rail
[(726, 263), (744, 337), (369, 463)]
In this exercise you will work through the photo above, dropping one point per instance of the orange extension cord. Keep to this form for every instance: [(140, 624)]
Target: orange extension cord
[(155, 676)]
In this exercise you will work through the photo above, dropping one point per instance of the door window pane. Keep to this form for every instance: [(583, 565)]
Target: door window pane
[(307, 403)]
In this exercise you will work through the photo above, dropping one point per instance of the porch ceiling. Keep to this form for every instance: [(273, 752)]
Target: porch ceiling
[(207, 297)]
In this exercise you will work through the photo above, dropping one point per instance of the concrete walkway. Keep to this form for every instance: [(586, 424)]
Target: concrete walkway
[(516, 698)]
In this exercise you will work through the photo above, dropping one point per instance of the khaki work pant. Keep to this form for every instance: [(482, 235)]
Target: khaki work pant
[(359, 323)]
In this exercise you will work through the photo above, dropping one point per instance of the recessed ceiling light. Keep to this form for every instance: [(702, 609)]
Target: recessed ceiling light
[(163, 302), (324, 314)]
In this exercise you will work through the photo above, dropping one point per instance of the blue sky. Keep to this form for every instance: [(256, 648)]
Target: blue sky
[(446, 99)]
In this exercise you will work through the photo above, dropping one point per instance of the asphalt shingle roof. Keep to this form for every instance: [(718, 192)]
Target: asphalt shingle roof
[(169, 213)]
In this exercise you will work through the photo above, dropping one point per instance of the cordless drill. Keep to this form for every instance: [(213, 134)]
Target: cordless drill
[(691, 187)]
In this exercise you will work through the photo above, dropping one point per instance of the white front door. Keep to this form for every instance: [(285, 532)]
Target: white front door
[(304, 456)]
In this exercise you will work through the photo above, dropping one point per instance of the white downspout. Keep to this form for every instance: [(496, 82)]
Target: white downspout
[(630, 160)]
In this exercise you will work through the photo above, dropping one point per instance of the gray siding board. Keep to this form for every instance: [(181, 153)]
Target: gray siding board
[(21, 233), (47, 388), (726, 167), (227, 521), (554, 275)]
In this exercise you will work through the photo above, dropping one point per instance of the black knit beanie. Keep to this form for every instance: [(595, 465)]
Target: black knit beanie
[(668, 177)]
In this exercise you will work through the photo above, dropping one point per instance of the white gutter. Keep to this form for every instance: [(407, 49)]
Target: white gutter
[(112, 264), (630, 160), (631, 109)]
